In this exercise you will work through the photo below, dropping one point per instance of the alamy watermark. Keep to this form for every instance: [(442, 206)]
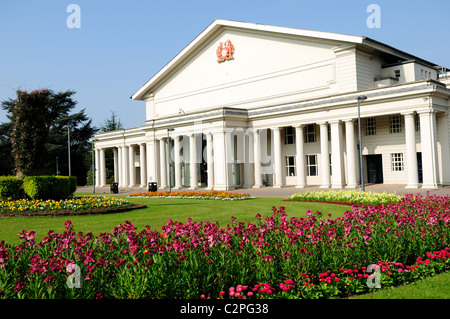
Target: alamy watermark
[(74, 19), (374, 19), (374, 281), (74, 279)]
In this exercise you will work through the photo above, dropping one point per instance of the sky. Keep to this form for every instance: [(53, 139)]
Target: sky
[(107, 50)]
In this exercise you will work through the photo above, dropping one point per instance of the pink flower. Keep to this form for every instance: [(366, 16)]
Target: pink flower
[(288, 282)]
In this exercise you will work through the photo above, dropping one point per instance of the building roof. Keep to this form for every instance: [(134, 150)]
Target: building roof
[(219, 23)]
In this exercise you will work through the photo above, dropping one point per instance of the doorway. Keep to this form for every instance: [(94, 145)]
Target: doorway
[(374, 169), (419, 166)]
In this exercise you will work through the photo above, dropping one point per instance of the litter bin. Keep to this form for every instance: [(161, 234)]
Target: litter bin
[(114, 188), (152, 187)]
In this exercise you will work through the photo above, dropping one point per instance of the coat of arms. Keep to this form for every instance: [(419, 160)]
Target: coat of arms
[(225, 51)]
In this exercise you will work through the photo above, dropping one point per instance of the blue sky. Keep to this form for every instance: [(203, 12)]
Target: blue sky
[(121, 44)]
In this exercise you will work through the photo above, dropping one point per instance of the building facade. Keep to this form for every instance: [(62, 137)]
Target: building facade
[(250, 105)]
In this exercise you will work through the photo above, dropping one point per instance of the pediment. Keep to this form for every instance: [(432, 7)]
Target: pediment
[(244, 37)]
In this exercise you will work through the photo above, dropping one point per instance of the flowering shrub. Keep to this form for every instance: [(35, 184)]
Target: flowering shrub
[(276, 257), (347, 197), (75, 204), (217, 195)]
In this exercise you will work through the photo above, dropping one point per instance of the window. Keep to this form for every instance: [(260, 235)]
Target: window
[(397, 74), (371, 127), (329, 132), (289, 135), (311, 165), (395, 124), (417, 123), (310, 133), (397, 162), (290, 165)]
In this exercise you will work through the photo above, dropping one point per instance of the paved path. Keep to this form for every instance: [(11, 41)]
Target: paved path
[(269, 191)]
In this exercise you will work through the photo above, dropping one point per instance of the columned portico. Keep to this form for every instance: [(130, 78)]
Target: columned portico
[(303, 131)]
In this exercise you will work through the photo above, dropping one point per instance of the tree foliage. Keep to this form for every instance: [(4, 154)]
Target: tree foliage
[(38, 130), (111, 124)]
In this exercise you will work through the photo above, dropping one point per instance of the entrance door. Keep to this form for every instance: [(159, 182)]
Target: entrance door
[(419, 166), (374, 169), (236, 169)]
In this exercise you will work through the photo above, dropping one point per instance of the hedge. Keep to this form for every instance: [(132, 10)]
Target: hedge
[(49, 187), (10, 188)]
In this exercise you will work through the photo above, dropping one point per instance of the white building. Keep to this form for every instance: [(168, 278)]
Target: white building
[(253, 105)]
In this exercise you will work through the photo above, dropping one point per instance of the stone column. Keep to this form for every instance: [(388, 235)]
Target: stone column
[(411, 154), (257, 159), (278, 167), (177, 162), (193, 162), (163, 163), (102, 168), (444, 141), (151, 161), (324, 155), (143, 164), (300, 157), (336, 155), (248, 160), (97, 168), (429, 149), (210, 160), (125, 166), (131, 154), (119, 165), (116, 166), (351, 153)]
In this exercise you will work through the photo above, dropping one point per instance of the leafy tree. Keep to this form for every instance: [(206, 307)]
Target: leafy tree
[(38, 131), (6, 160)]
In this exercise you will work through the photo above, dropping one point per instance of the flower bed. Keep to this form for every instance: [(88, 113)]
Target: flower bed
[(78, 205), (347, 197), (216, 195), (276, 257)]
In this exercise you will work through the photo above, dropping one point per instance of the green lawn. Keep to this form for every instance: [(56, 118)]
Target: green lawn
[(436, 287), (159, 210)]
